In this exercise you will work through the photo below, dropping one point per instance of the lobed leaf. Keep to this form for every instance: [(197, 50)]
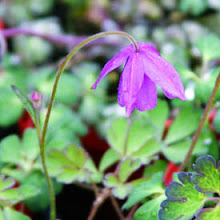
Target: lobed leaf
[(184, 124), (183, 201), (144, 189), (10, 214), (209, 213), (207, 176), (72, 164), (149, 210), (109, 158)]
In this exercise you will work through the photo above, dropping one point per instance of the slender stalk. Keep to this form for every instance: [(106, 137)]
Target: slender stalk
[(37, 125), (212, 199), (202, 122), (97, 203), (131, 213), (45, 126), (117, 208)]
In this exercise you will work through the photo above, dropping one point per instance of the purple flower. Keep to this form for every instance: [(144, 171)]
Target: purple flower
[(143, 69)]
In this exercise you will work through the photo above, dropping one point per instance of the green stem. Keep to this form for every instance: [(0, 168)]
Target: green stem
[(37, 124), (202, 122), (45, 126)]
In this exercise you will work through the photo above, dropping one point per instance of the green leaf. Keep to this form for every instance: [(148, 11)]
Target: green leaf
[(207, 46), (149, 210), (126, 168), (157, 117), (10, 214), (6, 183), (8, 114), (207, 176), (184, 124), (11, 107), (23, 152), (121, 191), (71, 164), (10, 149), (109, 158), (111, 180), (14, 195), (157, 167), (195, 7), (144, 189), (176, 152), (205, 86), (186, 74), (67, 126), (148, 151), (183, 201), (30, 144), (26, 102), (126, 137), (216, 121), (68, 90), (41, 200), (209, 213)]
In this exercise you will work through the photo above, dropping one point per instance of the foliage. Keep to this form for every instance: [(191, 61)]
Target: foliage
[(140, 148), (186, 198)]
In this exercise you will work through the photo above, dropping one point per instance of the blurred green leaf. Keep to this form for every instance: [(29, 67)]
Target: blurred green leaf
[(177, 152), (128, 137), (183, 201), (67, 126), (23, 152), (10, 195), (109, 158), (207, 46), (126, 168), (184, 124), (68, 90), (205, 86), (111, 180), (157, 117), (11, 108), (70, 165), (156, 167), (41, 200), (216, 121), (195, 7), (149, 210), (207, 176), (10, 214), (144, 189), (121, 191), (209, 213)]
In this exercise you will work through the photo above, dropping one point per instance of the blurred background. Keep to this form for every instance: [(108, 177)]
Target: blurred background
[(35, 35)]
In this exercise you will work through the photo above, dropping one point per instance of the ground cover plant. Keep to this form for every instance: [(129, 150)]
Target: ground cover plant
[(120, 113)]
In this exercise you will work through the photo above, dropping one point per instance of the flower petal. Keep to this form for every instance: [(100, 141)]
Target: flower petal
[(147, 95), (114, 63), (131, 82), (147, 48), (164, 74)]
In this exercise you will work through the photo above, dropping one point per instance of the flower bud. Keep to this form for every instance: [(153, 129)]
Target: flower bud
[(36, 100)]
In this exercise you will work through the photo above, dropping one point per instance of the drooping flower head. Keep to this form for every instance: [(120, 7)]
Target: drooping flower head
[(143, 69)]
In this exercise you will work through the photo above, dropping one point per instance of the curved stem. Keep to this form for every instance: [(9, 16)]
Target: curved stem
[(202, 122), (45, 126), (98, 202)]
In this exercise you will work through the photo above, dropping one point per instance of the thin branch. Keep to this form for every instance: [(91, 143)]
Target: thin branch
[(98, 202), (131, 213), (202, 122), (117, 207)]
